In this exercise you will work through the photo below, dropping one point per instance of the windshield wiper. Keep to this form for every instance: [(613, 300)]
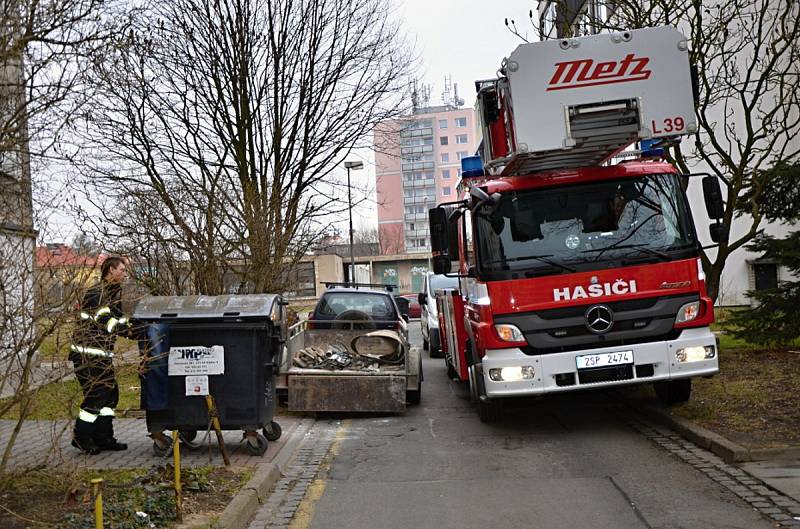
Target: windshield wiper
[(542, 258), (641, 247)]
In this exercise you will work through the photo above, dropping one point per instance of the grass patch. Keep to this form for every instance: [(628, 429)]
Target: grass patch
[(752, 401), (60, 400), (52, 498)]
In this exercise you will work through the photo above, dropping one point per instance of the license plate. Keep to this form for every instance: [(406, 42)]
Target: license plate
[(604, 359)]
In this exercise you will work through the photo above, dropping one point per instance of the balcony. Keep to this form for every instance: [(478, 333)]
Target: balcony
[(413, 217), (416, 133), (415, 184), (417, 233), (423, 199), (416, 149)]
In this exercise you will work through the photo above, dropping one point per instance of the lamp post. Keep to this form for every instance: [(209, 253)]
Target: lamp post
[(355, 166)]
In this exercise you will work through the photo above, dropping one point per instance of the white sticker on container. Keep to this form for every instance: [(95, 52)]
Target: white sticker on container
[(196, 385), (196, 360)]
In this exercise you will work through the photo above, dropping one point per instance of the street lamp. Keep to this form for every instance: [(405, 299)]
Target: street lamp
[(354, 166)]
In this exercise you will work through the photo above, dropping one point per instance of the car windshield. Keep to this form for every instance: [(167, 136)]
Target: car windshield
[(586, 227), (438, 282), (336, 304)]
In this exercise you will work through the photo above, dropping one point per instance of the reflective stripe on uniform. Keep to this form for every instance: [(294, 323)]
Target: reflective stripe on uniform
[(90, 351), (86, 316), (86, 416), (107, 412), (101, 311), (112, 322)]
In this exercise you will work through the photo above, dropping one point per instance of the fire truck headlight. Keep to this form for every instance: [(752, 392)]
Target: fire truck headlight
[(509, 333), (688, 312), (695, 354), (511, 374)]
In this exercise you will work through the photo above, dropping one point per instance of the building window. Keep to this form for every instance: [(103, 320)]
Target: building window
[(445, 174), (445, 157), (442, 140), (461, 122), (766, 275), (462, 155), (461, 139), (410, 226), (446, 191), (442, 123), (458, 173)]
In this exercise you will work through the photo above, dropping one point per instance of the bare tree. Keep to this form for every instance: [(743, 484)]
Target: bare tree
[(232, 118), (748, 58), (45, 48)]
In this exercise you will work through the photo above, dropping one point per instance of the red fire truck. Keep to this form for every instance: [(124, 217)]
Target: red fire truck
[(578, 262)]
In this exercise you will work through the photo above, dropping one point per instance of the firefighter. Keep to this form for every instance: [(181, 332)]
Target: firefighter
[(100, 322)]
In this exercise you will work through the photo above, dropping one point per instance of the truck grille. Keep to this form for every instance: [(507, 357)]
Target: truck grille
[(564, 329), (605, 374)]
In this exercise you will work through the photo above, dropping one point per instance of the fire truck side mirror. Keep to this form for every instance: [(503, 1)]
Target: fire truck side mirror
[(715, 206), (441, 264), (719, 232), (440, 230)]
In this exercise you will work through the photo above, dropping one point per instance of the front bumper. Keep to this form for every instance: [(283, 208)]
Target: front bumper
[(652, 362)]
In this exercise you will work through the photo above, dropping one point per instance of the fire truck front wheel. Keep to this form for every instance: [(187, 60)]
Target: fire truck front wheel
[(674, 391)]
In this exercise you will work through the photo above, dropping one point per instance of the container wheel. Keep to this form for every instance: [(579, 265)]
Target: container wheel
[(256, 444), (272, 431), (188, 437), (160, 449)]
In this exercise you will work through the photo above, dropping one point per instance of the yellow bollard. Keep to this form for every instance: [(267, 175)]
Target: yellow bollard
[(98, 502), (176, 460)]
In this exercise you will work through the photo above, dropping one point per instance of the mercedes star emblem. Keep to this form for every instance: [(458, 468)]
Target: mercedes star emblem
[(599, 319)]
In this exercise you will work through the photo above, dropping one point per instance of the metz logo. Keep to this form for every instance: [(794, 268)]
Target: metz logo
[(586, 72)]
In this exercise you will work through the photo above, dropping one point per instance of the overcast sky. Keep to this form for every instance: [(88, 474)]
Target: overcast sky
[(465, 39)]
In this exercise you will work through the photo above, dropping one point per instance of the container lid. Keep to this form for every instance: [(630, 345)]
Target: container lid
[(205, 307)]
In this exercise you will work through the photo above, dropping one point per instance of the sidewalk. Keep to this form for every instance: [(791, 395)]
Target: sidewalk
[(778, 469), (35, 442)]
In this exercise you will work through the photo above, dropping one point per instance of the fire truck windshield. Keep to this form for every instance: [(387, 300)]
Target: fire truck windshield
[(585, 227)]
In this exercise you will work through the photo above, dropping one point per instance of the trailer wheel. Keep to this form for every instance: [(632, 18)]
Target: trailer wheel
[(674, 391), (256, 444), (425, 344), (272, 431), (415, 396)]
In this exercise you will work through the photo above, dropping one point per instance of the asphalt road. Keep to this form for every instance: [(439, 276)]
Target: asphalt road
[(561, 462)]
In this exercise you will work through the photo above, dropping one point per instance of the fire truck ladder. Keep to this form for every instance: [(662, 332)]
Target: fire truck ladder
[(596, 132)]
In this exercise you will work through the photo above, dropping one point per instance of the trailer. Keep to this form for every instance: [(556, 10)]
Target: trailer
[(349, 370)]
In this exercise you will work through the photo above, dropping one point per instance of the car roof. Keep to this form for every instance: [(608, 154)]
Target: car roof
[(357, 290)]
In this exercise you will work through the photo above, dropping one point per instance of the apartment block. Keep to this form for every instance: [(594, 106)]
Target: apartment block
[(418, 165)]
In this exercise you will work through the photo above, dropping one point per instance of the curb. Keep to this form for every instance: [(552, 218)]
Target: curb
[(729, 451), (245, 503)]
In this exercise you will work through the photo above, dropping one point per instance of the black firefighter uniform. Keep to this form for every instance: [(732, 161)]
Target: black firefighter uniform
[(100, 322)]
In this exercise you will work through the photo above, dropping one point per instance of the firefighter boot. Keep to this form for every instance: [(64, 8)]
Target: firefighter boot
[(104, 435), (83, 438)]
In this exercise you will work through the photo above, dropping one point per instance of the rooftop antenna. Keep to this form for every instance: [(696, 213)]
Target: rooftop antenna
[(450, 93)]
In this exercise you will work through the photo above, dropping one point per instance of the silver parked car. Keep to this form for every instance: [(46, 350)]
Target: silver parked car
[(429, 319)]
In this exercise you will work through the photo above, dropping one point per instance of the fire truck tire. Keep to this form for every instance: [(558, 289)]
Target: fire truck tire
[(674, 391), (451, 371), (488, 409)]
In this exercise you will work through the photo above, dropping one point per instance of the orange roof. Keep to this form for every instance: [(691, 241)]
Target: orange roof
[(53, 255)]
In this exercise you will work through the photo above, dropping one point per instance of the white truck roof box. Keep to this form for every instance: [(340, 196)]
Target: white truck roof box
[(576, 102)]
